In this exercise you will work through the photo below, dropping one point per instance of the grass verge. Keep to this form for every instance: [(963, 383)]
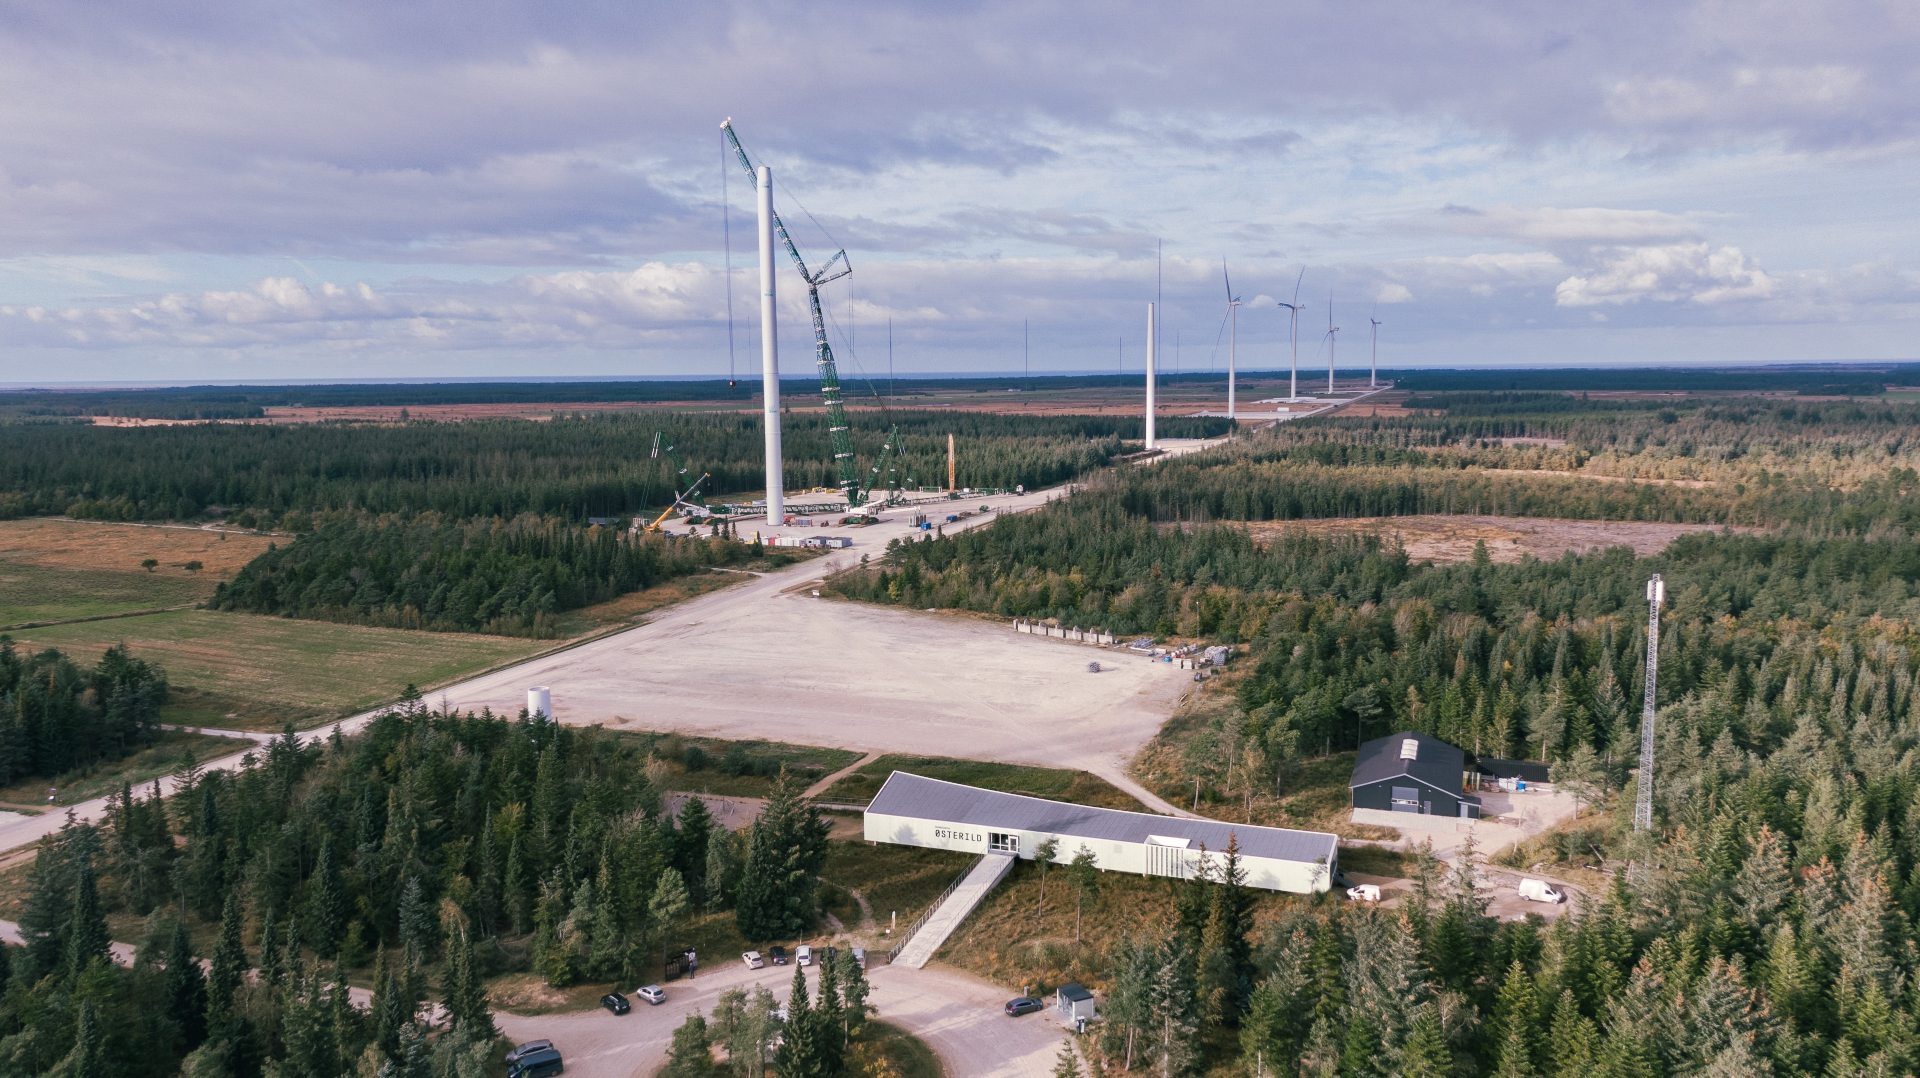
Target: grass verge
[(709, 765), (1056, 784), (168, 754), (634, 606), (883, 1048)]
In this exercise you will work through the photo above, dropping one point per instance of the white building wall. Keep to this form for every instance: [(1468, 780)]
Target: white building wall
[(1270, 874)]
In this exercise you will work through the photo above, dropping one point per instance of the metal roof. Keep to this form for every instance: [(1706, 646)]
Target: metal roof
[(1437, 763), (921, 798)]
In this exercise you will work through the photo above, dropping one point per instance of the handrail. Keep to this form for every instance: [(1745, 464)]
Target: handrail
[(907, 937)]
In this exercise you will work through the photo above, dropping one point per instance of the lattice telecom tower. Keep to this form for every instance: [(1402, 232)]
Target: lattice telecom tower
[(1643, 804)]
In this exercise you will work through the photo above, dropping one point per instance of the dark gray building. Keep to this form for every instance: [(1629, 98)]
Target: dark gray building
[(1409, 772)]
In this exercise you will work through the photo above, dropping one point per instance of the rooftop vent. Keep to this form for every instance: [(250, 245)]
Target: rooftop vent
[(1409, 748)]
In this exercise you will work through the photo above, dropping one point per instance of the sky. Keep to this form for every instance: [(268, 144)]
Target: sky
[(359, 189)]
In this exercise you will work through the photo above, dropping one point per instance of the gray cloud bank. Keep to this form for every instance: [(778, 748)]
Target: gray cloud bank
[(1479, 168)]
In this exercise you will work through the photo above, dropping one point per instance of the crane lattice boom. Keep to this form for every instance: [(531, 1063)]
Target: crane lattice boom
[(839, 432)]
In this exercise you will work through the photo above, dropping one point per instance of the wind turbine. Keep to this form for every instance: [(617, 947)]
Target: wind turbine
[(1293, 334), (1233, 333), (1332, 331), (1373, 369)]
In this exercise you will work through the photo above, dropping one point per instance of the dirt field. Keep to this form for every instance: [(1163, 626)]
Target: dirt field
[(1445, 539), (75, 544), (62, 570)]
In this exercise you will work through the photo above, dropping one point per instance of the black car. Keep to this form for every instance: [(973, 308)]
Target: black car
[(1020, 1005), (537, 1060), (827, 956), (616, 1003), (522, 1051), (778, 955)]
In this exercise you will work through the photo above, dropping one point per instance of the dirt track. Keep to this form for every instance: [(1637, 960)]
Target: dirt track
[(1441, 538)]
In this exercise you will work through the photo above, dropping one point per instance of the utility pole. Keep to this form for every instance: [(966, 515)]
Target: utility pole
[(1643, 803), (890, 392)]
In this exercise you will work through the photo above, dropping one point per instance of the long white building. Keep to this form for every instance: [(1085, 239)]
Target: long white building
[(912, 810)]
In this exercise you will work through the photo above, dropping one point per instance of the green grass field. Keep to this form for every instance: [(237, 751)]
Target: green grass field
[(1053, 783), (249, 671), (38, 593)]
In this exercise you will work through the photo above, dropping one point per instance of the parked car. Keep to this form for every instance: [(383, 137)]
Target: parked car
[(828, 955), (616, 1003), (540, 1063), (778, 954), (803, 955), (1365, 892), (1540, 891), (860, 957), (652, 993), (753, 960), (1020, 1005), (522, 1051)]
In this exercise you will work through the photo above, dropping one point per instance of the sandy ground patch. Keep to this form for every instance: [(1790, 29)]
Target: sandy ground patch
[(1441, 538), (763, 662), (1596, 477)]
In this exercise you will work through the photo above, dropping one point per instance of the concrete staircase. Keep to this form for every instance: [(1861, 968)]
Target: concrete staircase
[(926, 937)]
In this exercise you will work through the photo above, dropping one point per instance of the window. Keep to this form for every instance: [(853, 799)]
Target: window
[(1001, 842)]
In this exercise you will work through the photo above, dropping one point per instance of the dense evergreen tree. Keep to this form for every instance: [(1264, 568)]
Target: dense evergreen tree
[(56, 716), (777, 896)]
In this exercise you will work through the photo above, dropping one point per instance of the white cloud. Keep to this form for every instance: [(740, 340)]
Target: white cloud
[(1671, 273), (1553, 226), (1392, 292)]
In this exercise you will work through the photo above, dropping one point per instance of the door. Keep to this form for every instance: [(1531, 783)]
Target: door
[(1001, 842), (1406, 799)]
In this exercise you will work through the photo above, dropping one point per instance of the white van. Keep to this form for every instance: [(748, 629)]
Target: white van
[(1540, 891)]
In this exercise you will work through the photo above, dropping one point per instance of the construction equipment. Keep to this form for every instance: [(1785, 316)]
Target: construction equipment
[(836, 267), (883, 470), (687, 496)]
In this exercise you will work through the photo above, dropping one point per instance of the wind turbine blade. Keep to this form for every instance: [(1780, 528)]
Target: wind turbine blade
[(1296, 285), (1228, 280)]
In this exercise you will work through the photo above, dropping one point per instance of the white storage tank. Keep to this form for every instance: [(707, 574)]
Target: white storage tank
[(540, 701)]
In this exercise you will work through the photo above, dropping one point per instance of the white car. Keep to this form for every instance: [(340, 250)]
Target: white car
[(652, 993), (1540, 891), (1365, 892), (753, 960), (803, 955)]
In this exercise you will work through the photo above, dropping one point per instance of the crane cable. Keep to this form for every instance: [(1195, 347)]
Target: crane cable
[(726, 231)]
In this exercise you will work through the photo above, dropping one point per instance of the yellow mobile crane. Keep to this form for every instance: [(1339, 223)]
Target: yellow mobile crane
[(689, 498)]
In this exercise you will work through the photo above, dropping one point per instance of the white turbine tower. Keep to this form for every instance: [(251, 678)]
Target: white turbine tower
[(1233, 333), (1293, 334), (1332, 332), (1373, 368)]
